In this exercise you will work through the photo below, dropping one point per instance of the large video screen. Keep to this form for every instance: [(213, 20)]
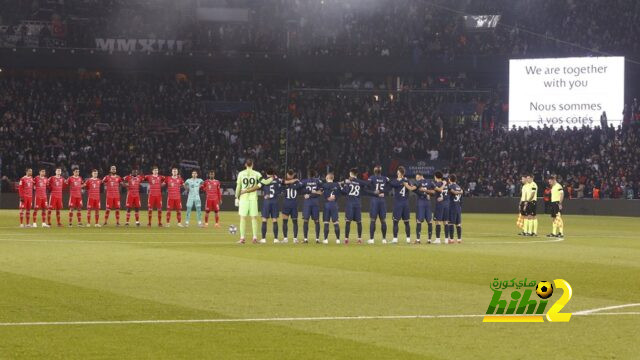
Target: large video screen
[(566, 91)]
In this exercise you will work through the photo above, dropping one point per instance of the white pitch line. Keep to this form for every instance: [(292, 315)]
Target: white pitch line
[(231, 243), (281, 319), (597, 310)]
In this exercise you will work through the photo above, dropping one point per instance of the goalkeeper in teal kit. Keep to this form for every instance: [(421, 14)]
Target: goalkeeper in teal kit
[(193, 186)]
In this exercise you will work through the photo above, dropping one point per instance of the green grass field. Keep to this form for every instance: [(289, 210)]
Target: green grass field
[(296, 301)]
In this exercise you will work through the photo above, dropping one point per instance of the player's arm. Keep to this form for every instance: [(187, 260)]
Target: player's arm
[(409, 186), (561, 197), (238, 188)]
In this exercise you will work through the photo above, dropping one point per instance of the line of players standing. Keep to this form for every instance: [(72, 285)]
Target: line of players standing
[(447, 214), (112, 183)]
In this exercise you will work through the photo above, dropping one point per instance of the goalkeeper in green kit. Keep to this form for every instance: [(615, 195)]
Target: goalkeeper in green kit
[(193, 186), (247, 199)]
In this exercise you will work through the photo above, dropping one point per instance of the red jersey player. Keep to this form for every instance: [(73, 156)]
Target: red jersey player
[(55, 184), (93, 201), (41, 197), (155, 194), (112, 184), (214, 198), (25, 190), (132, 183), (174, 198), (75, 185)]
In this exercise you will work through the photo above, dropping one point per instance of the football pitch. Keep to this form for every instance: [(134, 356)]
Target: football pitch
[(193, 293)]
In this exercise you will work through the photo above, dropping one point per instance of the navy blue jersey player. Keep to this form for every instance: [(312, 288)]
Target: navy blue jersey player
[(441, 215), (291, 189), (402, 189), (354, 188), (455, 208), (424, 190), (379, 186), (311, 206), (330, 192), (270, 207)]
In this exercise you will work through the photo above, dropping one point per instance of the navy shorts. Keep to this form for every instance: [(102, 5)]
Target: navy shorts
[(401, 211), (442, 212), (353, 212), (290, 209), (378, 209), (455, 215), (311, 210), (423, 212), (270, 209), (330, 212)]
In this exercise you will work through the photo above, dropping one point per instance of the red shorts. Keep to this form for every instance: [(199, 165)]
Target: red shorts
[(25, 203), (93, 203), (174, 204), (55, 203), (112, 203), (75, 202), (41, 203), (212, 205), (154, 202), (133, 201)]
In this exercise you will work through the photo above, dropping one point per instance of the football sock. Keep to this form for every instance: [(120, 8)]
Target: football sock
[(275, 229), (159, 216), (264, 229), (118, 216), (168, 216), (137, 215), (395, 229), (336, 230), (217, 217), (437, 231), (418, 229), (295, 227), (70, 216), (430, 229), (128, 216), (97, 216), (383, 226), (560, 225), (535, 226), (285, 227), (459, 230), (451, 228), (359, 225), (317, 229), (555, 228), (254, 227), (446, 231), (199, 214), (78, 216), (305, 229), (407, 229), (106, 215), (88, 216), (326, 230), (187, 216), (206, 217), (58, 216), (372, 229), (242, 225)]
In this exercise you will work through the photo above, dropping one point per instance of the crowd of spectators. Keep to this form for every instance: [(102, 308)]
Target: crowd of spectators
[(144, 121), (359, 28)]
